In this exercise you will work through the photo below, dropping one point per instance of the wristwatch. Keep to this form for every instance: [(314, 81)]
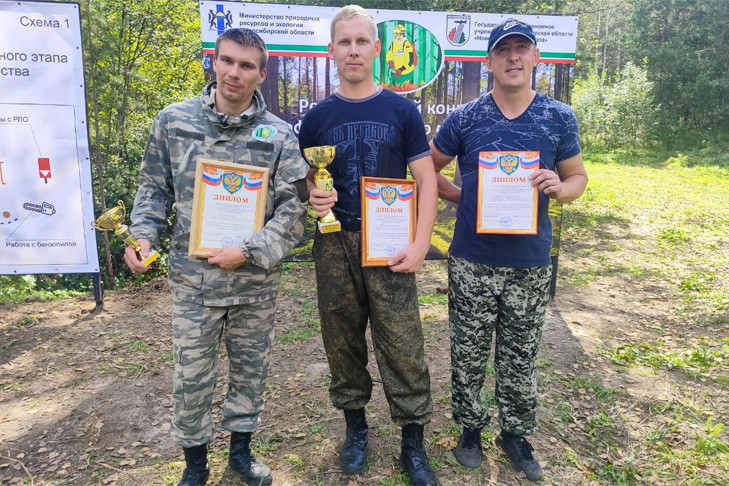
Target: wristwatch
[(246, 252)]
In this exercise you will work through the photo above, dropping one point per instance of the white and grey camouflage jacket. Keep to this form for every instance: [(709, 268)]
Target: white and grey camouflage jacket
[(181, 133)]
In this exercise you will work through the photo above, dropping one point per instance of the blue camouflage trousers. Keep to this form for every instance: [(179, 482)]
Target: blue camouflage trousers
[(351, 295), (510, 302), (197, 331)]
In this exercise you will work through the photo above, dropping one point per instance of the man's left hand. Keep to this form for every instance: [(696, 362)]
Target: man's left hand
[(408, 260), (548, 182), (227, 257)]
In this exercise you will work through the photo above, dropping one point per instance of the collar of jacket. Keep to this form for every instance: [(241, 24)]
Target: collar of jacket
[(208, 101)]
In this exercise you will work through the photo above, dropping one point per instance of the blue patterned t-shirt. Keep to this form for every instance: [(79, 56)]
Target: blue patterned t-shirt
[(547, 126), (375, 136)]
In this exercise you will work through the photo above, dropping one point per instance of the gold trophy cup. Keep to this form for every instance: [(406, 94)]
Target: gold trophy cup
[(319, 158), (113, 219)]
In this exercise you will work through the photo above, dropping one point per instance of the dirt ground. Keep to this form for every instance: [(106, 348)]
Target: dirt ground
[(85, 395)]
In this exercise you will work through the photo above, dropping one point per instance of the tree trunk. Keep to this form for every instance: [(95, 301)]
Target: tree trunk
[(315, 82), (327, 78), (471, 81), (100, 179), (285, 90)]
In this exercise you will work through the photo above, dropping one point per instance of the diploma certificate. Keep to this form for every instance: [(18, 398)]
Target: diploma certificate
[(389, 218), (229, 204), (507, 202)]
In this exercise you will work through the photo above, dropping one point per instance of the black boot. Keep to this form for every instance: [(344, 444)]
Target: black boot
[(520, 454), (353, 454), (240, 459), (196, 471), (469, 450), (413, 458)]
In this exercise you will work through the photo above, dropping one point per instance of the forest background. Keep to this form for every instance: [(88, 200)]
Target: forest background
[(651, 76), (634, 363)]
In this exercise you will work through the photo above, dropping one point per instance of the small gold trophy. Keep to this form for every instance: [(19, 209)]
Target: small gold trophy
[(113, 219), (319, 158)]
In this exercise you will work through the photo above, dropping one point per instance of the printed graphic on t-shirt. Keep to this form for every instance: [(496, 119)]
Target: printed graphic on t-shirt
[(359, 146)]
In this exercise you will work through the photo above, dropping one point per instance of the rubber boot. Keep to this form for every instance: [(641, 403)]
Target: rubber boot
[(353, 454), (413, 458), (197, 470), (241, 460)]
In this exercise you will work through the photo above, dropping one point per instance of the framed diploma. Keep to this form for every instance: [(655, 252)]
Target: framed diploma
[(228, 205), (507, 202), (389, 218)]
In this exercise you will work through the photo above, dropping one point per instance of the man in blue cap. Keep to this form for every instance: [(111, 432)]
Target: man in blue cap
[(499, 279)]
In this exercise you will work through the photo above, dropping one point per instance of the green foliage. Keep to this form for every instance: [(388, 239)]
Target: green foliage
[(705, 357), (601, 424), (642, 65), (138, 345), (18, 288), (617, 115), (434, 299), (600, 47), (135, 369), (710, 444), (307, 325), (620, 475), (674, 236), (674, 207), (687, 46), (140, 56)]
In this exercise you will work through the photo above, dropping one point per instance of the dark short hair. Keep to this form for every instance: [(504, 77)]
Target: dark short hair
[(244, 37)]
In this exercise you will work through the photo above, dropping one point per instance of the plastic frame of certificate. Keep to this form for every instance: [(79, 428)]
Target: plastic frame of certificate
[(402, 190), (241, 183)]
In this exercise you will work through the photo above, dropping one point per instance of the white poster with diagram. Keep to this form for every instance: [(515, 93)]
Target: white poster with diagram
[(46, 201)]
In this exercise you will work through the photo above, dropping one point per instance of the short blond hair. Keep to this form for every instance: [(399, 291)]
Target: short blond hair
[(350, 12)]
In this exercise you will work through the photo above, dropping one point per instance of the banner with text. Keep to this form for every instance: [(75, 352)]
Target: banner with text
[(297, 30), (46, 203)]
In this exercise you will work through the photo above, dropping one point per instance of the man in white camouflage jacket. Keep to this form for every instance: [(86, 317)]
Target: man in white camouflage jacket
[(235, 288)]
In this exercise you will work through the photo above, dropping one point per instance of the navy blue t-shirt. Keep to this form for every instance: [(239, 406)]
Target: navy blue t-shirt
[(375, 136), (547, 126)]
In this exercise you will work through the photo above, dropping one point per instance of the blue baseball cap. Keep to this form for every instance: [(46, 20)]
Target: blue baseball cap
[(511, 27)]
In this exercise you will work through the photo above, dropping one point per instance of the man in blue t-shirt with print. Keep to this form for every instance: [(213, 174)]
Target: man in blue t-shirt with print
[(376, 133), (499, 278)]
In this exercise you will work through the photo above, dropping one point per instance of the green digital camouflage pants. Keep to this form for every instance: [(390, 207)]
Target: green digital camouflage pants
[(512, 302), (196, 334), (349, 295)]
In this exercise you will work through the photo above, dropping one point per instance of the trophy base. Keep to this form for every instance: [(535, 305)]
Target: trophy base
[(153, 255), (330, 227)]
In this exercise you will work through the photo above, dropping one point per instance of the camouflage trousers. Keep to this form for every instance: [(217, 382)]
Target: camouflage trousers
[(350, 295), (511, 302), (196, 335)]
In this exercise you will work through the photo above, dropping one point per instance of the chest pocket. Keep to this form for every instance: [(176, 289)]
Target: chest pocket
[(185, 146), (256, 153)]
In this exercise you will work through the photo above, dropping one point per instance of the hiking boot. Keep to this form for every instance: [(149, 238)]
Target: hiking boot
[(353, 454), (519, 451), (469, 450), (413, 458), (240, 460), (197, 470)]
